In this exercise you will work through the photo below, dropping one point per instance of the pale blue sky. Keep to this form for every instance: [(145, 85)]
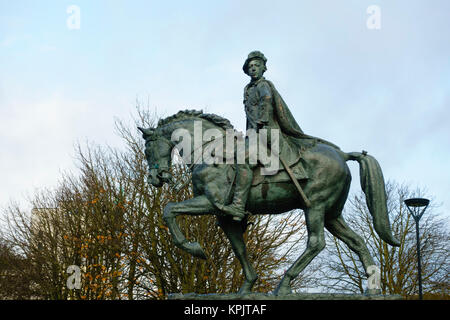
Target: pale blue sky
[(386, 91)]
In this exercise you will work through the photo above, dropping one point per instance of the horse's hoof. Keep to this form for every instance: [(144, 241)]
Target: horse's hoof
[(245, 289), (195, 249), (247, 286), (282, 290), (369, 292)]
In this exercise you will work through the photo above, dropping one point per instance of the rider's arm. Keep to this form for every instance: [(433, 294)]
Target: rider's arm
[(265, 103)]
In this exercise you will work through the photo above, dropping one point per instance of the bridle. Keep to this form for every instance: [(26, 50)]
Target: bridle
[(156, 166), (162, 169)]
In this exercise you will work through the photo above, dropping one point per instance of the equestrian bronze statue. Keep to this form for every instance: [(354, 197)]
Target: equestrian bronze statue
[(310, 174)]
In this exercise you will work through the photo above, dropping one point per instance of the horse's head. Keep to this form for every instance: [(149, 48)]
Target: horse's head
[(158, 151)]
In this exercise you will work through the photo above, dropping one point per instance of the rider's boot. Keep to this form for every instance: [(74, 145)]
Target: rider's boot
[(244, 177)]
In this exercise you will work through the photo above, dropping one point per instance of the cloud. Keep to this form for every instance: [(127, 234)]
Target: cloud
[(37, 139), (384, 90)]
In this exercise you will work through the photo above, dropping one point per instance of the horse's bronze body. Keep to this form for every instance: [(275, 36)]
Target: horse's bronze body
[(327, 189)]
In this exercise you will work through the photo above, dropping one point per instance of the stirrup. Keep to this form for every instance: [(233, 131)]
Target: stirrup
[(237, 214), (238, 218)]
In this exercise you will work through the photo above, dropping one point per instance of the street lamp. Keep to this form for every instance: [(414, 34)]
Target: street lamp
[(417, 207)]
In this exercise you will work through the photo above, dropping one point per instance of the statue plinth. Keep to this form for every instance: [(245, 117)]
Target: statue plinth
[(292, 296)]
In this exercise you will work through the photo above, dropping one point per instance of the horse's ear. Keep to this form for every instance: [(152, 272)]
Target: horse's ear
[(146, 132)]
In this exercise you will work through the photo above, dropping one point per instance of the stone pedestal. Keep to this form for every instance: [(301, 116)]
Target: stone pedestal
[(292, 296)]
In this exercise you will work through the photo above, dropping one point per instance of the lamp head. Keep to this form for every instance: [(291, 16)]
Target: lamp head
[(415, 204)]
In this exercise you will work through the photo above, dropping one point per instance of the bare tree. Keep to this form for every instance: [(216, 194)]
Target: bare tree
[(107, 221), (398, 266)]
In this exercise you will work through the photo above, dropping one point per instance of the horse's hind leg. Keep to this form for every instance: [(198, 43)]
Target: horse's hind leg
[(234, 232), (339, 228), (316, 242)]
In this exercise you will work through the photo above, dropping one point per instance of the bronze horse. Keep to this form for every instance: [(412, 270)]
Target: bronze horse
[(326, 188)]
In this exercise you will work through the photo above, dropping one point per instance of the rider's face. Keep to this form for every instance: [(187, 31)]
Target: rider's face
[(255, 69)]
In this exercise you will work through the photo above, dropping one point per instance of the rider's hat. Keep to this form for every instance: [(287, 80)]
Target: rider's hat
[(252, 56)]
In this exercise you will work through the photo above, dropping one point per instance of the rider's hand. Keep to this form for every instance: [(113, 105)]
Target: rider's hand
[(262, 125)]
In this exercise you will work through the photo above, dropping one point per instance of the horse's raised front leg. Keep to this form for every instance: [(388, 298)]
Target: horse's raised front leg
[(196, 206), (234, 232)]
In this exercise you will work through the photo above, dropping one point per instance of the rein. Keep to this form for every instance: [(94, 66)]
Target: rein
[(177, 186)]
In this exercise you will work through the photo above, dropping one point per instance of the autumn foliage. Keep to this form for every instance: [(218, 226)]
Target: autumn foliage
[(106, 220)]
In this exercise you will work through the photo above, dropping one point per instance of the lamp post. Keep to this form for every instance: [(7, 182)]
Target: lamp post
[(417, 207)]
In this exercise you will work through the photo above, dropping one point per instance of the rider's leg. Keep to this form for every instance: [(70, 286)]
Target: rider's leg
[(244, 177)]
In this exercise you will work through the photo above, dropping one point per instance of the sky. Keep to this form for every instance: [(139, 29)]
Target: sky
[(362, 78)]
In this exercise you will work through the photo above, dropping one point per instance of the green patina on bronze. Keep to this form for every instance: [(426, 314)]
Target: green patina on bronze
[(324, 178)]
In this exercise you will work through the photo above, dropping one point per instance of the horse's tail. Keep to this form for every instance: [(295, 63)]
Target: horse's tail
[(372, 183)]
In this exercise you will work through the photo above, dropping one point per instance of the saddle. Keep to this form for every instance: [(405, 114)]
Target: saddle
[(293, 151), (281, 176)]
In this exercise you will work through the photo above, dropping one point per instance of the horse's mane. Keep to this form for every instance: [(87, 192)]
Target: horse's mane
[(189, 114)]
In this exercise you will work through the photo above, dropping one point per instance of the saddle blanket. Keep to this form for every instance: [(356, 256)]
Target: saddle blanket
[(281, 176)]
